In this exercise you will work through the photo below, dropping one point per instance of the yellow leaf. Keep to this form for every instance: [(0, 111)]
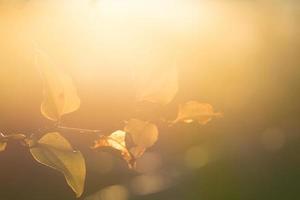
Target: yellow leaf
[(117, 141), (195, 111), (159, 87), (55, 151), (144, 134), (60, 95), (3, 146)]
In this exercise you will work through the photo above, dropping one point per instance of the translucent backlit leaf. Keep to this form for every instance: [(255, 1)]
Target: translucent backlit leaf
[(195, 111), (144, 134), (3, 146), (55, 151), (117, 141), (159, 87), (60, 95)]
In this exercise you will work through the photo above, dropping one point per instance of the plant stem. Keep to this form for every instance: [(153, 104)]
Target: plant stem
[(12, 136), (80, 130)]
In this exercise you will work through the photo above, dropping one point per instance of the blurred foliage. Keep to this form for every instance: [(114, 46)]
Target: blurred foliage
[(242, 57)]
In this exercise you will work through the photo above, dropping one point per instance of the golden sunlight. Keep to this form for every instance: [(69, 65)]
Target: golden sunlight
[(149, 99)]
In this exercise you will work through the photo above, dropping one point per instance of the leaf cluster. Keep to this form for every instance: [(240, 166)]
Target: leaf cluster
[(60, 98)]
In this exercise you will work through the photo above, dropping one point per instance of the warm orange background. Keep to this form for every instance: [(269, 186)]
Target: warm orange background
[(240, 56)]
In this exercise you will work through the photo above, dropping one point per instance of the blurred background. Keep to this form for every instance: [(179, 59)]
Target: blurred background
[(241, 56)]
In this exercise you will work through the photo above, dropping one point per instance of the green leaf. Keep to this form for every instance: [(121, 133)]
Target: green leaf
[(55, 151), (60, 95), (143, 133), (3, 146)]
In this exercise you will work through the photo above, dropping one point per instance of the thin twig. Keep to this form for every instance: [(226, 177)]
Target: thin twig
[(80, 130), (4, 137)]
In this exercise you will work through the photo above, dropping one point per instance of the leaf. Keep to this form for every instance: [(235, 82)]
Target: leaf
[(55, 151), (195, 111), (60, 95), (117, 141), (3, 146), (137, 151), (160, 87), (144, 134)]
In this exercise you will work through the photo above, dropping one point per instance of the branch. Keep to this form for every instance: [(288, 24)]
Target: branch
[(5, 138), (79, 130)]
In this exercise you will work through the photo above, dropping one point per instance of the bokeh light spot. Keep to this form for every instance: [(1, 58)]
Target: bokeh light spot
[(115, 192), (148, 184), (196, 157), (149, 162)]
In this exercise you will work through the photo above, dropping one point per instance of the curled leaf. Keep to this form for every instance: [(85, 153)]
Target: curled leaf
[(143, 134), (60, 95), (3, 146), (195, 111), (116, 141), (160, 87), (55, 151)]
